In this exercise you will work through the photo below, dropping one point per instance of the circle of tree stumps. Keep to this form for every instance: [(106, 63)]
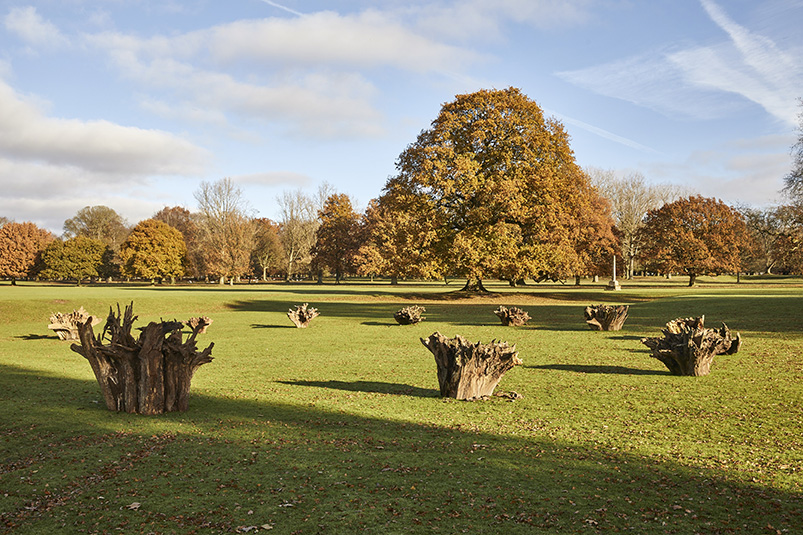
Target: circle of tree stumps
[(302, 315), (512, 316), (409, 315), (687, 348), (606, 317), (469, 371)]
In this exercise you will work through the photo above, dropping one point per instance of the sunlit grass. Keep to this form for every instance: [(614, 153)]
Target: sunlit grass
[(339, 427)]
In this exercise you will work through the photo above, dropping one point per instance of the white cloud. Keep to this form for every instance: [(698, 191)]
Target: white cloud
[(29, 26), (705, 82), (96, 146)]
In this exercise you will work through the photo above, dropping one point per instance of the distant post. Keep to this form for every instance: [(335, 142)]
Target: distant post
[(613, 284)]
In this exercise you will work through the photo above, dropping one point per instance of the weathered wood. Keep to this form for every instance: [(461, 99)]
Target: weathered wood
[(302, 315), (147, 375), (66, 325), (469, 371), (192, 323), (606, 317), (409, 315), (512, 316), (687, 348)]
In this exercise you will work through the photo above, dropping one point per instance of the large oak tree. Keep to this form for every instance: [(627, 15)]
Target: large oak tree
[(153, 250), (493, 190), (76, 258), (695, 236), (338, 237)]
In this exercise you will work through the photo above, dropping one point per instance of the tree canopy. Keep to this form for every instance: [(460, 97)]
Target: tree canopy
[(338, 236), (20, 248), (153, 250), (794, 180), (695, 236), (75, 259), (100, 223), (492, 190)]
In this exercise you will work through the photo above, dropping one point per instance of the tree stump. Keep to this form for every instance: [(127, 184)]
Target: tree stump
[(469, 371), (203, 321), (687, 348), (512, 316), (409, 315), (606, 317), (66, 325), (148, 375), (302, 315)]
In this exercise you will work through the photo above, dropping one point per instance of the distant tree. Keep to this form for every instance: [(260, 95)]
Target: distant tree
[(76, 259), (597, 242), (695, 236), (153, 250), (794, 180), (3, 221), (393, 244), (268, 253), (493, 190), (631, 197), (21, 245), (788, 242), (765, 225), (227, 234), (186, 222), (297, 228), (338, 237), (100, 223)]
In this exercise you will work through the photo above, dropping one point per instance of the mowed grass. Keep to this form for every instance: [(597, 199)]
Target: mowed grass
[(339, 428)]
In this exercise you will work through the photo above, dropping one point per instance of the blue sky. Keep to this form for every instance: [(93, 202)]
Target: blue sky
[(132, 103)]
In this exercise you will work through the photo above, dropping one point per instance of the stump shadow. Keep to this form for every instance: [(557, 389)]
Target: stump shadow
[(261, 326), (373, 387), (609, 370), (33, 336)]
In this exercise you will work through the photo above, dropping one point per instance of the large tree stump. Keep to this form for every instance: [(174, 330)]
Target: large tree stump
[(148, 375), (512, 316), (688, 348), (409, 315), (66, 325), (302, 315), (469, 371), (203, 321), (606, 317)]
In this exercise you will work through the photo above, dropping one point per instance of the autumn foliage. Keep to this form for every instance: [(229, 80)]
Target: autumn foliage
[(695, 236), (20, 247), (153, 250)]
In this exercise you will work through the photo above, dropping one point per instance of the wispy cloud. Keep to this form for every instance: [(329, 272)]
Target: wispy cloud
[(283, 8), (707, 81), (605, 134), (29, 26)]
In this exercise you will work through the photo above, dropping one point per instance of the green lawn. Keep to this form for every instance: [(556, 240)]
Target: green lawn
[(339, 428)]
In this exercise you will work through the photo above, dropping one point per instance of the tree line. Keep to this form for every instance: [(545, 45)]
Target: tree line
[(491, 190)]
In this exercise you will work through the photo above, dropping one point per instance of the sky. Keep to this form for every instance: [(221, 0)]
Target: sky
[(132, 104)]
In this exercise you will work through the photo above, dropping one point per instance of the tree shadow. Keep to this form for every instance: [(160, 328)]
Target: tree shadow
[(370, 387), (610, 370), (262, 326), (34, 336)]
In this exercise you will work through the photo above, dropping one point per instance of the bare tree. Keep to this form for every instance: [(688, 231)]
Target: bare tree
[(99, 223), (227, 231), (631, 197), (794, 180), (299, 222)]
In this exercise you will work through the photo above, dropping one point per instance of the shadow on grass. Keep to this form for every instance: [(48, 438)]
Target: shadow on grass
[(370, 387), (263, 326), (612, 370), (231, 463), (33, 336)]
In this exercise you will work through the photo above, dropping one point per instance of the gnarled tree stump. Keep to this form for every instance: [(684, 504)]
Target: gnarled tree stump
[(148, 375), (302, 315), (203, 321), (409, 315), (606, 317), (688, 348), (512, 316), (66, 325), (469, 371)]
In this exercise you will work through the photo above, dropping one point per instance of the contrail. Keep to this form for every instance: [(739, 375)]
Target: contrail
[(285, 8)]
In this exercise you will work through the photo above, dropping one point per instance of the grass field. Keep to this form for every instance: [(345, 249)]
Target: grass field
[(339, 428)]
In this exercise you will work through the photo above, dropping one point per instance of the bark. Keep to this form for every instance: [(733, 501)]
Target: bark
[(687, 348), (606, 317), (302, 315), (409, 315), (149, 375), (470, 371), (692, 279), (474, 286), (512, 316)]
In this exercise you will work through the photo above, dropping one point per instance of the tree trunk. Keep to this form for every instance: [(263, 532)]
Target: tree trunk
[(577, 280), (474, 286), (150, 375), (469, 371), (687, 348), (302, 315), (394, 280), (692, 279), (606, 317)]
